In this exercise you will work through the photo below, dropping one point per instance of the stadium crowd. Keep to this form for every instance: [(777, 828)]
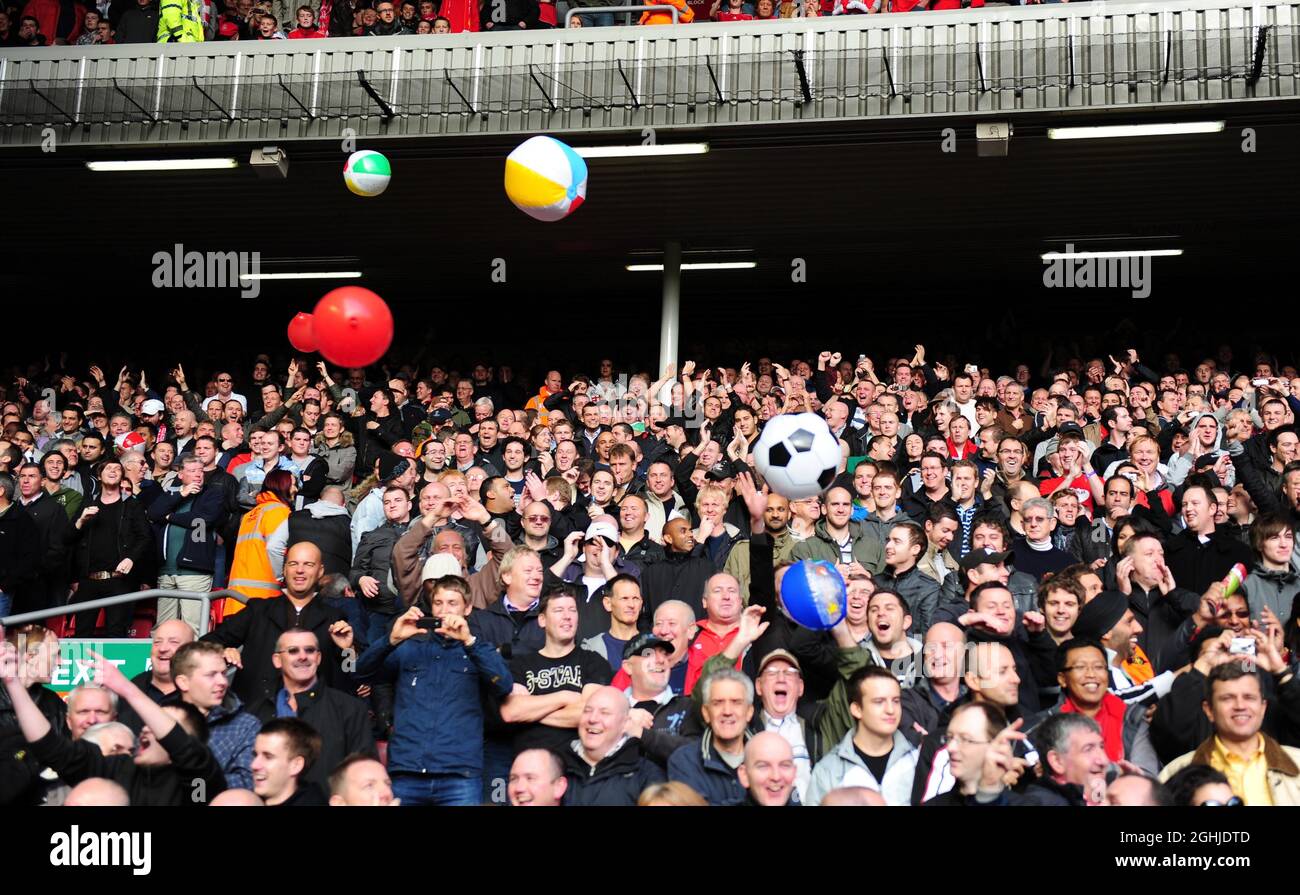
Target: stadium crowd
[(457, 590), (58, 22)]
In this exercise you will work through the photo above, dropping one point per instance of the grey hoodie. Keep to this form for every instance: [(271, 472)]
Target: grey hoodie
[(1181, 466)]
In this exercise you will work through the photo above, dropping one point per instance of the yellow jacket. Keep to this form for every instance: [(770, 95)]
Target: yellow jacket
[(259, 551), (180, 21)]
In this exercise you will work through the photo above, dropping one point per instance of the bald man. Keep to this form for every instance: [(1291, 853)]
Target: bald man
[(604, 765), (853, 795), (156, 683), (250, 636), (769, 771), (97, 792), (237, 798)]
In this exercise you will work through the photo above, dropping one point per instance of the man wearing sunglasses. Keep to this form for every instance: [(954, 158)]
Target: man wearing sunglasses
[(225, 391), (341, 719)]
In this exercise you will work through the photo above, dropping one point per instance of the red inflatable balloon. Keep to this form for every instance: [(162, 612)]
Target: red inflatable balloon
[(302, 334), (353, 326)]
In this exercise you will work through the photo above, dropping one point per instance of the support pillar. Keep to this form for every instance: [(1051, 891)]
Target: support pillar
[(670, 322)]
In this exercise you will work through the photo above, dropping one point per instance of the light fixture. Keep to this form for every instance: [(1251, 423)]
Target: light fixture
[(703, 265), (640, 151), (1129, 253), (269, 162), (304, 275), (1134, 130), (165, 164)]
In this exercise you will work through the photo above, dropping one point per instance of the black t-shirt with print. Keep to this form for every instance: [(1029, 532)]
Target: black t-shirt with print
[(541, 675)]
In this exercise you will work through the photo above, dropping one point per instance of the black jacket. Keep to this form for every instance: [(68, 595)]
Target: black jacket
[(198, 526), (19, 549), (374, 557), (680, 576), (138, 26), (54, 536), (172, 784), (20, 769), (617, 779), (370, 442), (644, 553), (512, 632), (332, 534), (342, 720), (1161, 617), (228, 527), (1196, 566), (314, 479), (134, 539), (260, 625)]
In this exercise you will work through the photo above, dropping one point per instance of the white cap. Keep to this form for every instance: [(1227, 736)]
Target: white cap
[(152, 406), (602, 527), (440, 565)]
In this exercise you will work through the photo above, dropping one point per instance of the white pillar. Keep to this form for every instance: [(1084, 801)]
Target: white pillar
[(670, 322)]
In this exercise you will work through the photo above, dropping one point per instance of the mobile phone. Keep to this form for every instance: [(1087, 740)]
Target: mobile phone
[(1242, 646), (1258, 382), (433, 623)]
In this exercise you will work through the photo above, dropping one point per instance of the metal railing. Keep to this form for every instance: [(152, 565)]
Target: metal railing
[(205, 600), (596, 10), (989, 61)]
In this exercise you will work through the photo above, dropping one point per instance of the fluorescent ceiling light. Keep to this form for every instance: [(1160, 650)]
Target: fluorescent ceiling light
[(304, 275), (1132, 253), (710, 265), (165, 164), (639, 151), (1134, 130)]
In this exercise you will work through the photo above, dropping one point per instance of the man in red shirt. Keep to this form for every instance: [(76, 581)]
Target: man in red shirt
[(723, 606)]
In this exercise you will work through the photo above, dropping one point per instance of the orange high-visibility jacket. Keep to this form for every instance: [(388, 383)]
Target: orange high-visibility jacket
[(252, 570)]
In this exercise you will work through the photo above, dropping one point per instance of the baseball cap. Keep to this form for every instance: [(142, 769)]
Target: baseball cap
[(673, 421), (779, 654), (644, 641), (441, 415), (152, 406), (986, 555), (601, 528), (96, 411), (720, 470), (440, 565), (1070, 429)]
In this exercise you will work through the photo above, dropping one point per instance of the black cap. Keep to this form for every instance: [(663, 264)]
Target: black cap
[(642, 642), (985, 555), (673, 421), (1102, 613), (441, 415), (1069, 429), (391, 466), (1205, 461), (720, 470)]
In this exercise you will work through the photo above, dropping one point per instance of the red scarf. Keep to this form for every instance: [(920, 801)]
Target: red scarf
[(1111, 718)]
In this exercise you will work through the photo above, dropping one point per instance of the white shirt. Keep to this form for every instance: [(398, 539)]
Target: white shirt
[(233, 396), (792, 732)]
